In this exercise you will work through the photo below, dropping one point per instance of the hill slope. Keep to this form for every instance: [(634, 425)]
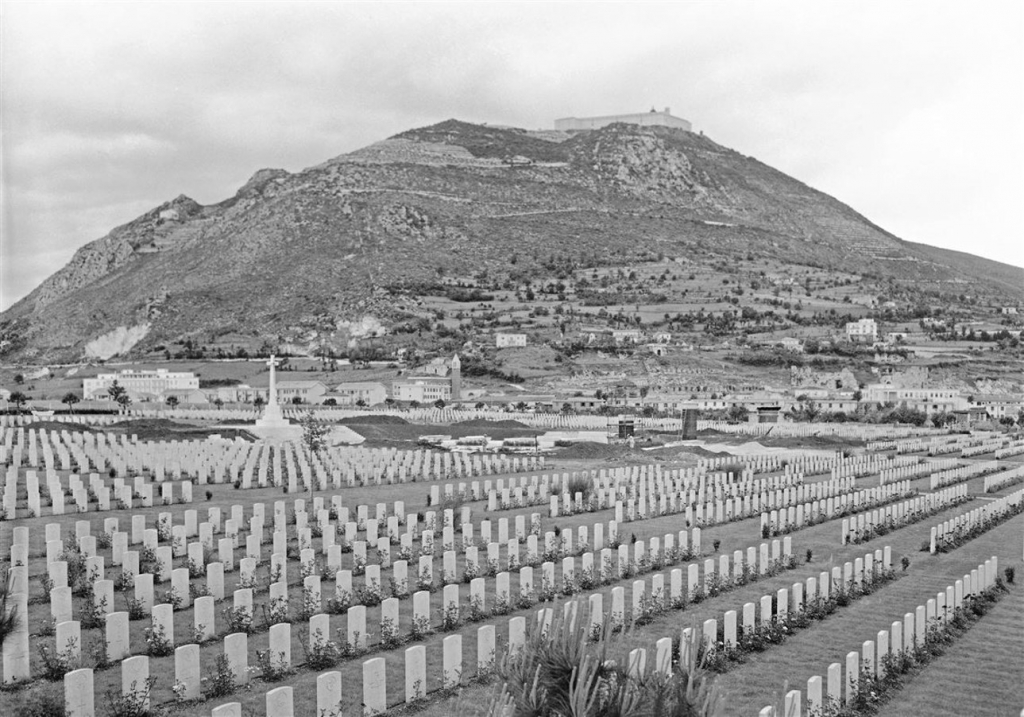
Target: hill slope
[(303, 253)]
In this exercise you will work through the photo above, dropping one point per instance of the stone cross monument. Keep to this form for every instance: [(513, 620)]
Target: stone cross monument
[(272, 416)]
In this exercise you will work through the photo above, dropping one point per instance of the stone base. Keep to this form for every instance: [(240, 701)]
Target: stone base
[(277, 433)]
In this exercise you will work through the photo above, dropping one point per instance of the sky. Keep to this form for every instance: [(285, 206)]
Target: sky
[(910, 112)]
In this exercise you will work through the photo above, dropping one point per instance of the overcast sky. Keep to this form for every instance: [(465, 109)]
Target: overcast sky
[(910, 112)]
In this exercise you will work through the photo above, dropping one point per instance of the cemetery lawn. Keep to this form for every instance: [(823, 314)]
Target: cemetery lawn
[(982, 674), (764, 678)]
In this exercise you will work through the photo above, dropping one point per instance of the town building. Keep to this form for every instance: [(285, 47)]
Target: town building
[(504, 341), (422, 389), (431, 384), (369, 393), (141, 385), (644, 119), (863, 331), (927, 400), (300, 391), (627, 336)]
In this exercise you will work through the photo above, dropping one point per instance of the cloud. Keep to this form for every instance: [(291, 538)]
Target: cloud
[(909, 111)]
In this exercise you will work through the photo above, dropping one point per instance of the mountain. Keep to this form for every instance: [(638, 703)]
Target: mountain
[(301, 255)]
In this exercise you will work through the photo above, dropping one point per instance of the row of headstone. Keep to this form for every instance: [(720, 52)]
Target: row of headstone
[(997, 481), (906, 635), (915, 470), (960, 474), (977, 517), (902, 513)]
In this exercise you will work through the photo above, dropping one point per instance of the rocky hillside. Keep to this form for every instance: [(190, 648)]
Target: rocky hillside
[(304, 254)]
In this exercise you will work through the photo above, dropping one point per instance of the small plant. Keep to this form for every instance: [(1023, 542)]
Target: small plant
[(57, 664), (158, 644), (323, 653), (132, 703), (450, 617), (98, 650), (222, 682), (809, 556), (48, 628), (716, 543), (136, 608), (124, 581), (420, 628), (239, 619), (199, 635), (905, 563), (94, 613), (172, 598), (271, 670), (389, 635)]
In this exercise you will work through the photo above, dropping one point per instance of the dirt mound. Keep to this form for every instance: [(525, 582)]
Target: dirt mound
[(484, 423), (589, 449), (373, 420), (152, 424), (60, 426)]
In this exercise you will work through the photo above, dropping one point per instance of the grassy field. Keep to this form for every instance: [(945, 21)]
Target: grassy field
[(991, 654)]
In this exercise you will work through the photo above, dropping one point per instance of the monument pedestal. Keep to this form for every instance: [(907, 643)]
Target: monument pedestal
[(272, 418)]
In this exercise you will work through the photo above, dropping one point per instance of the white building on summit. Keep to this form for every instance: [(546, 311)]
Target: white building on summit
[(645, 119)]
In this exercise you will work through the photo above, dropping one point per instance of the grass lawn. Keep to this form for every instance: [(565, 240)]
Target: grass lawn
[(991, 655)]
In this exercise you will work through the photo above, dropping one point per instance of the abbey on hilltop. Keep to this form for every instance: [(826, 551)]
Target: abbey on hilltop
[(646, 119)]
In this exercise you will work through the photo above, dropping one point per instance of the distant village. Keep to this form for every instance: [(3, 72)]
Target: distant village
[(811, 393)]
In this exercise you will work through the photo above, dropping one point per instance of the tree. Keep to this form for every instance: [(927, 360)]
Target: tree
[(331, 402), (70, 399), (480, 405), (736, 414), (218, 402), (521, 406), (439, 404), (414, 404), (567, 409), (172, 402), (19, 399), (314, 437), (361, 403), (116, 391), (124, 400), (19, 378), (389, 402), (258, 401), (296, 400)]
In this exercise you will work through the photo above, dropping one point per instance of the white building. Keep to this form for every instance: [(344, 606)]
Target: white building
[(627, 336), (504, 341), (928, 400), (422, 389), (645, 119), (141, 385), (865, 331), (349, 394)]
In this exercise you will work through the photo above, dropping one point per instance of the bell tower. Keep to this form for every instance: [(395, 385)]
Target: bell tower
[(456, 378)]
